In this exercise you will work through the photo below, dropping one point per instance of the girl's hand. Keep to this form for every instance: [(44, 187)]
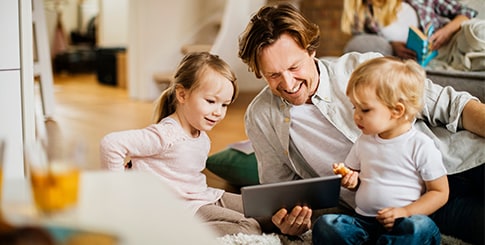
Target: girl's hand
[(388, 216), (128, 165)]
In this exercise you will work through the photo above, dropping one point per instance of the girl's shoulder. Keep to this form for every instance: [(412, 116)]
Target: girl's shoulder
[(168, 128)]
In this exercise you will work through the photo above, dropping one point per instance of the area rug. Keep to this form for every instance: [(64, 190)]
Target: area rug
[(305, 239), (265, 239)]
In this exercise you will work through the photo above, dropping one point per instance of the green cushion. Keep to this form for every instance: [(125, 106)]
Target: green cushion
[(237, 168)]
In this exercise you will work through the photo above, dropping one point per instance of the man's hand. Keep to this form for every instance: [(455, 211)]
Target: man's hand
[(293, 224)]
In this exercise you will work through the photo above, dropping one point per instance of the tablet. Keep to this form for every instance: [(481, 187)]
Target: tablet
[(265, 199)]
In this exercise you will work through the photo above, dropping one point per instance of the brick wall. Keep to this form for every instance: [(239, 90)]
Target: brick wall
[(326, 14)]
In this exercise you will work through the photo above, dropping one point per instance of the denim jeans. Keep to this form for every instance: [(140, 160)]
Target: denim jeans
[(358, 229)]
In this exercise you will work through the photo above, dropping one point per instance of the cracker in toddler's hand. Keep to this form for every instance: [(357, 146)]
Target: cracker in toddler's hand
[(341, 169)]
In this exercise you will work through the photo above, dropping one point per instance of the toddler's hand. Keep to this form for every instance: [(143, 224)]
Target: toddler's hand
[(339, 168), (388, 216)]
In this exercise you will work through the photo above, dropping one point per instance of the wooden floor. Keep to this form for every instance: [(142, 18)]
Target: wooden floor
[(86, 110)]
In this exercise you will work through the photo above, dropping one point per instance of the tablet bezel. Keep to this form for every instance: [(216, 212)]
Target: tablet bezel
[(265, 199)]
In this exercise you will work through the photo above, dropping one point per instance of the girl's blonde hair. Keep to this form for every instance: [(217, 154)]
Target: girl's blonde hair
[(188, 76), (394, 80), (354, 14)]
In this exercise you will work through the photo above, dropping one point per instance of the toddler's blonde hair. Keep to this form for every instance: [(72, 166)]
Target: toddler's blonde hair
[(394, 80)]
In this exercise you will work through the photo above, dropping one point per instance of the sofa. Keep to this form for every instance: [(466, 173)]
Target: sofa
[(471, 81), (474, 81)]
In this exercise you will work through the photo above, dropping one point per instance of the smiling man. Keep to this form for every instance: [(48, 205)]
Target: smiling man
[(302, 121)]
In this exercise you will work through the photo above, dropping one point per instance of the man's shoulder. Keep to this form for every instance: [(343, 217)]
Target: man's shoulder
[(264, 97), (264, 102), (340, 68), (348, 61), (352, 57)]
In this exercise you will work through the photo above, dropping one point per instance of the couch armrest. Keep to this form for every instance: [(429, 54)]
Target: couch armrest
[(473, 82)]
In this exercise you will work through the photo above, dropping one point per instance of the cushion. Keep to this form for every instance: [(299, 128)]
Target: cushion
[(368, 42), (236, 167)]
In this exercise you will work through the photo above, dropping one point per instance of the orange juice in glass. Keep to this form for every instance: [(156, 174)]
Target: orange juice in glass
[(55, 188), (54, 179)]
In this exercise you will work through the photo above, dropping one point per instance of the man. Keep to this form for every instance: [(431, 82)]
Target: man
[(302, 121)]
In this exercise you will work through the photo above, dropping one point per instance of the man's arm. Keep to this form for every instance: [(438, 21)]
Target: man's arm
[(271, 167), (261, 131), (473, 117)]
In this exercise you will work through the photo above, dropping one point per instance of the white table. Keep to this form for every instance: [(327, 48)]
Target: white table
[(132, 205)]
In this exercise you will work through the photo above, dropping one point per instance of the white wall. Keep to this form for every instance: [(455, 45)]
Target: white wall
[(153, 31), (237, 14), (157, 31), (113, 23), (159, 28)]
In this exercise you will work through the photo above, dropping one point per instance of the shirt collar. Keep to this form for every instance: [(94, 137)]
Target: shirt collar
[(323, 89)]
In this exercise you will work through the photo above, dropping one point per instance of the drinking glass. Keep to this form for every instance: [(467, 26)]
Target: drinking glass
[(54, 176)]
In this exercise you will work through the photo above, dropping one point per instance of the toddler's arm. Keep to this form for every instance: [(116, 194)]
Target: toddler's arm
[(435, 197)]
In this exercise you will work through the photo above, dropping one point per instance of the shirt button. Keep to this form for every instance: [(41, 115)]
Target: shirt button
[(287, 119)]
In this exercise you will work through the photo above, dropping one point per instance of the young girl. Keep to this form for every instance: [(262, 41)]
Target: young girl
[(397, 170), (175, 148)]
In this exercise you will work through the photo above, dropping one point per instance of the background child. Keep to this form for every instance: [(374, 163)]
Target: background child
[(399, 174), (176, 147)]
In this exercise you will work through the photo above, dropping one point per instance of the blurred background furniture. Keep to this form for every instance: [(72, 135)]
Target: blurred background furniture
[(42, 59), (86, 37), (80, 55)]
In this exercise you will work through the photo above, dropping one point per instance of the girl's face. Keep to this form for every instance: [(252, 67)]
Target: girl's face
[(371, 115), (290, 71), (205, 106)]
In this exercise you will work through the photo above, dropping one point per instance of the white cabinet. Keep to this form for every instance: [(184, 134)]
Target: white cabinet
[(16, 83), (11, 129), (10, 39)]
